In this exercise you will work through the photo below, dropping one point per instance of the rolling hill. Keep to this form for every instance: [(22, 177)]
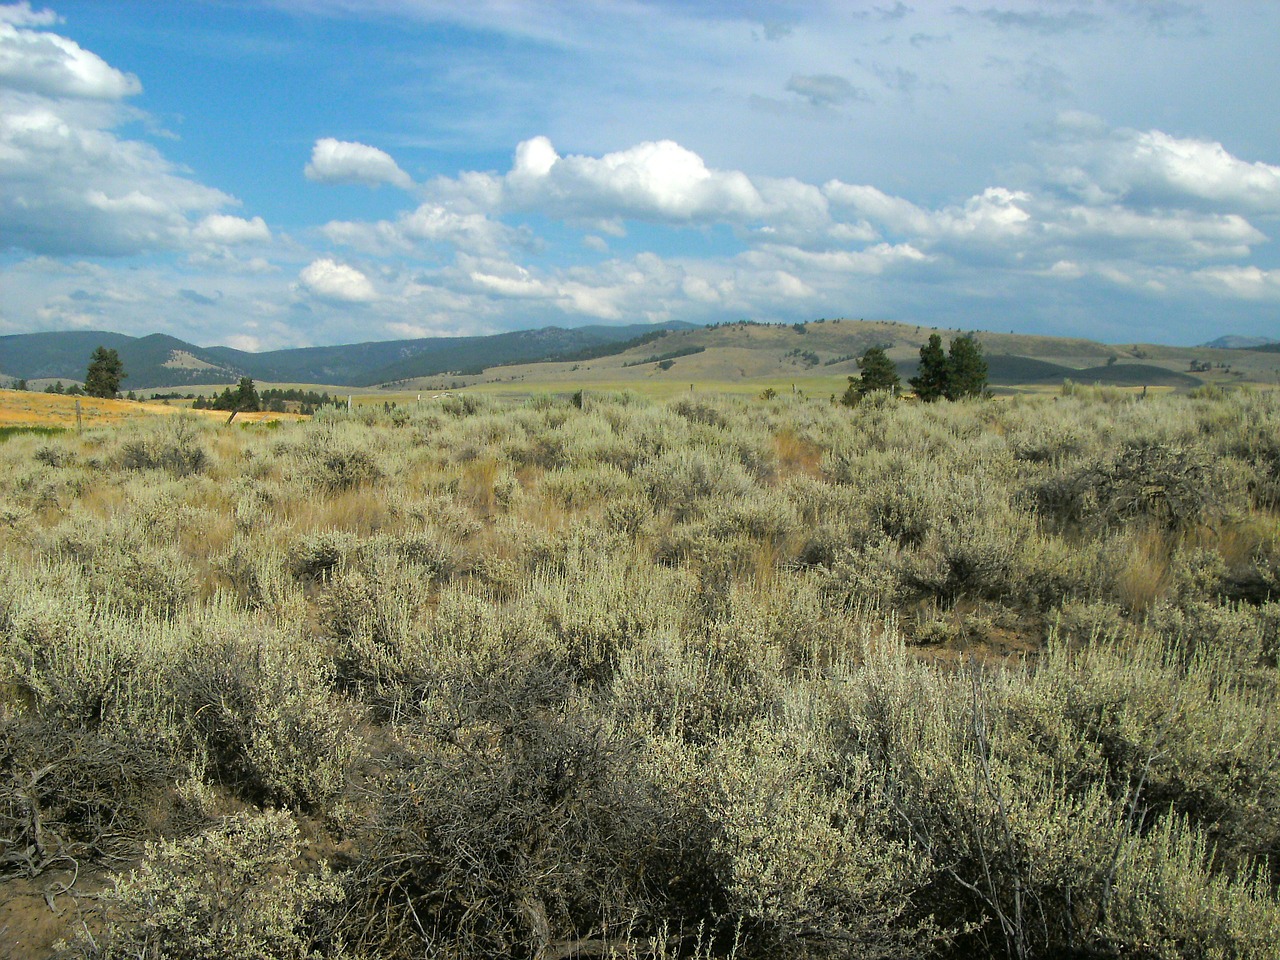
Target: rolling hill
[(822, 351), (818, 356), (1233, 342), (159, 361)]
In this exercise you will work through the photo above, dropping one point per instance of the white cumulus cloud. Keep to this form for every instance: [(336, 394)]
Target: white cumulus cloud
[(22, 15), (331, 280), (68, 185), (995, 214), (1246, 283), (47, 64), (223, 228), (655, 182), (344, 161), (1154, 168), (429, 223)]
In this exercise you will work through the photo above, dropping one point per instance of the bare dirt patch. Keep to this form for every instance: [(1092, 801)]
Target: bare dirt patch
[(37, 912)]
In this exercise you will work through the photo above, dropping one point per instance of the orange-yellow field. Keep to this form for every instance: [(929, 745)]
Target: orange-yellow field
[(25, 409)]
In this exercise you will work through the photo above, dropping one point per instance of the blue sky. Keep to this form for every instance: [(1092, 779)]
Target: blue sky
[(294, 172)]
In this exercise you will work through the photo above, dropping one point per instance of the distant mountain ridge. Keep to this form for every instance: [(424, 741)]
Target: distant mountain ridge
[(158, 360), (1233, 342), (726, 352)]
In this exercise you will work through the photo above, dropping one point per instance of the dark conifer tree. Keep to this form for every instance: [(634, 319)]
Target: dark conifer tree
[(966, 369), (878, 373), (105, 372), (930, 381)]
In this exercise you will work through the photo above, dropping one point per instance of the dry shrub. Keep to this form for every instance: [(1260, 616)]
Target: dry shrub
[(701, 412), (783, 847), (595, 612), (316, 556), (686, 482), (976, 549), (1172, 486), (582, 751), (1147, 712), (63, 657), (232, 892), (258, 706), (508, 825), (68, 793), (1173, 902), (175, 445), (334, 460), (259, 575)]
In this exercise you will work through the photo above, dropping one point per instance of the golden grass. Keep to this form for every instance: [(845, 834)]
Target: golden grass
[(22, 408), (1144, 577), (797, 455), (355, 510)]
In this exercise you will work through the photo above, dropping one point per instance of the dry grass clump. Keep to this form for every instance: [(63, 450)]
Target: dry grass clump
[(600, 676)]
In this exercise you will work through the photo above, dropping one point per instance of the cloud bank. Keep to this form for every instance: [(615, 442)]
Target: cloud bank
[(68, 184), (949, 165)]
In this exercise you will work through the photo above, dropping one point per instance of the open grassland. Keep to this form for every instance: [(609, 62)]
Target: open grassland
[(704, 676), (21, 408)]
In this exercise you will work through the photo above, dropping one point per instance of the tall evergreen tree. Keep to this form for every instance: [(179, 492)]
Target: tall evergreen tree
[(966, 369), (930, 381), (246, 396), (105, 372), (878, 373)]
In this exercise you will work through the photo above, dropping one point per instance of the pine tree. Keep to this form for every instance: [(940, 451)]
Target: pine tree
[(246, 396), (932, 377), (878, 373), (966, 369), (105, 372)]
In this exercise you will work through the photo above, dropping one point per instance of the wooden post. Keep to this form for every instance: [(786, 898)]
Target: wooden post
[(79, 420), (348, 403)]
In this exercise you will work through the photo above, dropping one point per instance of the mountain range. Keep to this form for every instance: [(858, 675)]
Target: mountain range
[(159, 360), (620, 355), (1234, 342)]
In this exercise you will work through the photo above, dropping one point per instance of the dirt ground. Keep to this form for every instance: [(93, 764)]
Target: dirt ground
[(37, 912)]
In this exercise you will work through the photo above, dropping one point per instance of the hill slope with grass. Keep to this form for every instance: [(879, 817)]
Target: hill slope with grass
[(159, 360), (821, 355), (742, 353)]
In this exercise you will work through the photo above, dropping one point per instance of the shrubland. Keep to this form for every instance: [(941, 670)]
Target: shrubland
[(606, 677)]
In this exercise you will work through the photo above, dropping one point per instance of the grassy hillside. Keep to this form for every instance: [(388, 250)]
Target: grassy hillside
[(158, 361), (152, 361), (643, 355), (743, 357)]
